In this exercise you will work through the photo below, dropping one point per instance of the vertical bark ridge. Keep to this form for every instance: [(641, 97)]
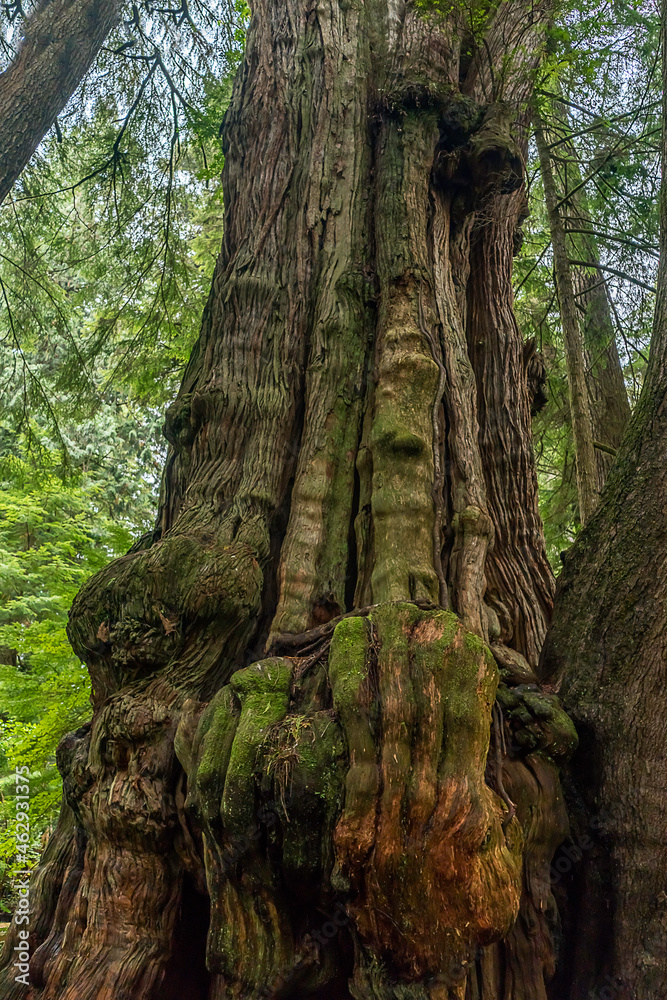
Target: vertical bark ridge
[(241, 402), (314, 557), (471, 526), (439, 488), (520, 584), (405, 376)]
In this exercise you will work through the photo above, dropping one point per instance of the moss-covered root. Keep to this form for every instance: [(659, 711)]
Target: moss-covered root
[(305, 769), (537, 722), (420, 838), (264, 788), (402, 448), (244, 740), (250, 940), (349, 662), (408, 378), (542, 737)]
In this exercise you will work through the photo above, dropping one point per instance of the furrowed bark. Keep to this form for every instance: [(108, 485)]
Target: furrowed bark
[(293, 696), (51, 893), (610, 651), (60, 43), (519, 583)]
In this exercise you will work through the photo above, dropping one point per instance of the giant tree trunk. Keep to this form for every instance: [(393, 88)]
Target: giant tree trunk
[(294, 694), (608, 655)]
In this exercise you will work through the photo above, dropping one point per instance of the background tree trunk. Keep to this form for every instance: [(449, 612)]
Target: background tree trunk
[(607, 395), (293, 699), (582, 424), (608, 654), (60, 42)]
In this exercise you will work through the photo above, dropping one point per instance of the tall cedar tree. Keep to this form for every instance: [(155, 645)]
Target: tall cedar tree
[(286, 787)]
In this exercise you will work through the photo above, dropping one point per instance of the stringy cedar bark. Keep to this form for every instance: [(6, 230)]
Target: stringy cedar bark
[(519, 589), (610, 651), (353, 431)]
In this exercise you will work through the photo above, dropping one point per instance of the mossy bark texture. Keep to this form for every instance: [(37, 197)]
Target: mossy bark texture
[(286, 788)]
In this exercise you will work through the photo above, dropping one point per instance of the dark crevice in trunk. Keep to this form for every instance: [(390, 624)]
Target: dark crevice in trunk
[(583, 879), (270, 594), (352, 555), (186, 976)]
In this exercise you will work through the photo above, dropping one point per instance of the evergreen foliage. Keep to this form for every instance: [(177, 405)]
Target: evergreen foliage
[(602, 60)]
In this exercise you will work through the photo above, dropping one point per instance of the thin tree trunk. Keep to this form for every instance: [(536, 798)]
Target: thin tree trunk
[(607, 649), (607, 395), (582, 426), (60, 43), (293, 699)]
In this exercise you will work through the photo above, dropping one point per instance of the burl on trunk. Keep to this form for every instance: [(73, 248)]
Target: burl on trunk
[(286, 788)]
